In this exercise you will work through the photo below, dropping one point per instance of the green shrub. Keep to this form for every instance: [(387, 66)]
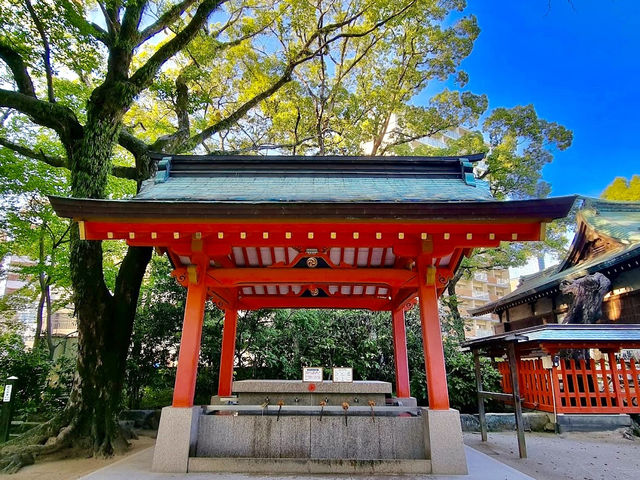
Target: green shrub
[(43, 385)]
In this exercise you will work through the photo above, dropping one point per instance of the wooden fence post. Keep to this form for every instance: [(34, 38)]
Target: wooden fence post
[(481, 415), (513, 367)]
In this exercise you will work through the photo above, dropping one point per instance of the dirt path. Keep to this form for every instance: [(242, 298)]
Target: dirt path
[(74, 468), (571, 456)]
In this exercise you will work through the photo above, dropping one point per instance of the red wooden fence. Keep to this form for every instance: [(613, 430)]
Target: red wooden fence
[(580, 387)]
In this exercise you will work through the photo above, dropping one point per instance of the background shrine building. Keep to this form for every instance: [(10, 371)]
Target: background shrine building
[(607, 240)]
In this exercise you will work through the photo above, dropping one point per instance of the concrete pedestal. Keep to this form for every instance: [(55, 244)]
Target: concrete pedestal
[(443, 439), (177, 439)]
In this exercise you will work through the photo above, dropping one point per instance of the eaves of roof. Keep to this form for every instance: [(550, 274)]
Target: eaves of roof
[(543, 210), (560, 333)]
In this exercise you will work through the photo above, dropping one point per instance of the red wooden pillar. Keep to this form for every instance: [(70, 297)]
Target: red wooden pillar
[(432, 339), (228, 352), (400, 354), (190, 345)]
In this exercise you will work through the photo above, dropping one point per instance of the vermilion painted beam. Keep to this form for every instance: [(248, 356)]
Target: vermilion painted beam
[(159, 233), (228, 352), (432, 339), (403, 297), (266, 276), (256, 302), (187, 371), (400, 356)]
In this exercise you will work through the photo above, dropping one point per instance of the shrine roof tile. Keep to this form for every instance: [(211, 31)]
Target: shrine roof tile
[(546, 281), (340, 187), (618, 220), (268, 189), (277, 179)]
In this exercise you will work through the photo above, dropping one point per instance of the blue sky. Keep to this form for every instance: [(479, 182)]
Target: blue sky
[(579, 63)]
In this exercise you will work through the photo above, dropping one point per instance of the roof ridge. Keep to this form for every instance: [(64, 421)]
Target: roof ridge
[(601, 204), (304, 159)]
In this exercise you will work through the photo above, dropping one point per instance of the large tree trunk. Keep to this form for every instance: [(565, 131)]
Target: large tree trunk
[(105, 323), (105, 319)]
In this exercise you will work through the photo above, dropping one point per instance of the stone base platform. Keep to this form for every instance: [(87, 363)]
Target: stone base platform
[(592, 422), (309, 466), (430, 441)]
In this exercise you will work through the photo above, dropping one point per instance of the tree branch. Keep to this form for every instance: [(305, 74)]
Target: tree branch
[(111, 18), (61, 162), (166, 19), (19, 70), (99, 33), (52, 115), (131, 20), (181, 105), (232, 118), (257, 148), (145, 74), (140, 151), (375, 26), (46, 56), (410, 138), (129, 173), (58, 162), (304, 54), (132, 143)]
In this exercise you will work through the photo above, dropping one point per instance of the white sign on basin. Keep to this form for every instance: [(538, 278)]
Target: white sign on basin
[(312, 374), (343, 375)]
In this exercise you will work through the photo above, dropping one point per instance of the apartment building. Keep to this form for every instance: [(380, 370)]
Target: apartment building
[(483, 287), (64, 327)]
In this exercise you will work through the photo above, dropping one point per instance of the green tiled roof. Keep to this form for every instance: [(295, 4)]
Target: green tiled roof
[(336, 187), (315, 179), (313, 189), (618, 220)]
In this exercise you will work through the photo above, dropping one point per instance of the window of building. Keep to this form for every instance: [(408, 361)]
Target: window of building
[(480, 276)]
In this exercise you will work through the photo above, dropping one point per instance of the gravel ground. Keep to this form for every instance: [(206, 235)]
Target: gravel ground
[(573, 456)]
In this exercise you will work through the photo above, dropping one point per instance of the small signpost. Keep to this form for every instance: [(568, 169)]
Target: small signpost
[(7, 408)]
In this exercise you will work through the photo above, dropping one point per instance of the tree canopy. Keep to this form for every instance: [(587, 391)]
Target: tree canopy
[(623, 189)]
